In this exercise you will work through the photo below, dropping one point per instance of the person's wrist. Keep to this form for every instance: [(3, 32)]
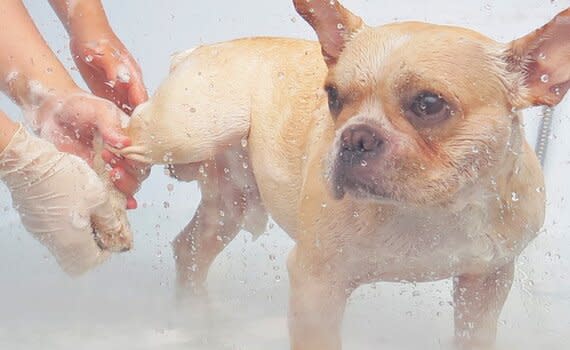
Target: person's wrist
[(90, 30)]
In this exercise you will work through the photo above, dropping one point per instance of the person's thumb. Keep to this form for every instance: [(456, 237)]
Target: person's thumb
[(111, 228), (137, 92), (109, 125)]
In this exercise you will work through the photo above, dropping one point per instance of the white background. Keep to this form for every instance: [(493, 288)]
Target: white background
[(128, 303)]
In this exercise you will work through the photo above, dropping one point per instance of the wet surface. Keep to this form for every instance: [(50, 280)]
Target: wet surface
[(129, 302)]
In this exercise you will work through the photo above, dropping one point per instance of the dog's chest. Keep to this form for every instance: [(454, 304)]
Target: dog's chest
[(428, 246)]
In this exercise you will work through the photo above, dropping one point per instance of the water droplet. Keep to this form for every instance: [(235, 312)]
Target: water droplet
[(272, 257), (226, 171), (116, 176), (542, 56), (515, 197), (544, 78), (539, 189), (245, 165), (123, 75), (356, 214), (277, 278), (475, 149), (339, 26), (222, 213), (363, 163), (166, 205), (244, 142), (323, 205), (88, 58), (167, 157)]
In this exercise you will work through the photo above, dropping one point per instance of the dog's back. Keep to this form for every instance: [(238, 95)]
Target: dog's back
[(255, 97)]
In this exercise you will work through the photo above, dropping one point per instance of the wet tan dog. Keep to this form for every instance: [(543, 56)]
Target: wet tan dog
[(400, 156)]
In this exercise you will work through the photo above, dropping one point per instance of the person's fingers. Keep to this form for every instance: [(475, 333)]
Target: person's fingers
[(76, 148), (137, 93), (132, 203), (109, 157), (109, 125), (124, 182), (137, 170), (140, 170)]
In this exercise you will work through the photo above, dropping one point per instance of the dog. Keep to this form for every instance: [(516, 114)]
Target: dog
[(390, 153)]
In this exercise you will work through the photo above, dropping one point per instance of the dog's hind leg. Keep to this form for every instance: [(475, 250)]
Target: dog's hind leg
[(229, 195)]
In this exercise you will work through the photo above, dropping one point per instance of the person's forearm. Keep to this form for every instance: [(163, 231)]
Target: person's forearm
[(7, 130), (29, 70), (81, 17)]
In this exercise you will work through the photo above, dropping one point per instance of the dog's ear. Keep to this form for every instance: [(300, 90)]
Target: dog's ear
[(543, 57), (333, 23)]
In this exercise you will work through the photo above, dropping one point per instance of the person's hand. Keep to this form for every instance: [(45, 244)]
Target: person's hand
[(72, 121), (61, 201), (108, 68)]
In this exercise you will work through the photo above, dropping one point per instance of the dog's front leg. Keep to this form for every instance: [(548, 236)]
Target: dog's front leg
[(317, 301), (478, 302)]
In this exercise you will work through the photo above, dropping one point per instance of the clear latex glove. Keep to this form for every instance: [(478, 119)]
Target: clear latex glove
[(61, 201)]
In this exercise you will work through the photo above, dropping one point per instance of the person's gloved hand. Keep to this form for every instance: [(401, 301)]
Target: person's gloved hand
[(61, 201), (71, 123), (108, 68)]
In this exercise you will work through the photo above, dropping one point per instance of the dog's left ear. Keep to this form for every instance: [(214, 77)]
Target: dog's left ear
[(543, 56), (333, 23)]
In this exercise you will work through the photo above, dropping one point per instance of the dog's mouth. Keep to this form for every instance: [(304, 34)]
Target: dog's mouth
[(359, 183)]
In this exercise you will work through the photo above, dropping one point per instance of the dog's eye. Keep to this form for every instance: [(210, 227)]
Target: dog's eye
[(429, 108), (335, 104)]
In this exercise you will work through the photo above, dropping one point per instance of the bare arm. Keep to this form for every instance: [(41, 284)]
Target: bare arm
[(28, 67), (104, 62), (7, 130), (81, 16)]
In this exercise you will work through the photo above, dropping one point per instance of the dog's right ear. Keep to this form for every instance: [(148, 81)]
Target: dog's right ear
[(334, 25)]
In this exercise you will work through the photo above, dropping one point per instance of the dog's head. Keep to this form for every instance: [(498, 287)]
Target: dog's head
[(423, 110)]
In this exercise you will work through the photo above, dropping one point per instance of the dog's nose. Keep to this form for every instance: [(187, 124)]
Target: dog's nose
[(359, 142)]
